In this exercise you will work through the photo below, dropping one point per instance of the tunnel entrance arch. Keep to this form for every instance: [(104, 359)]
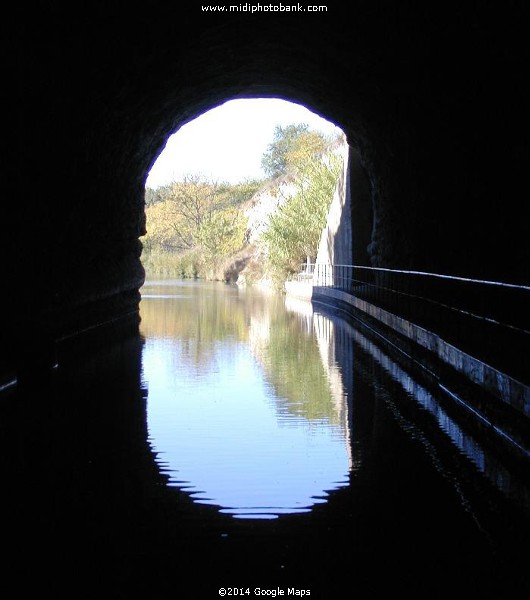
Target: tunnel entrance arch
[(227, 146), (99, 100)]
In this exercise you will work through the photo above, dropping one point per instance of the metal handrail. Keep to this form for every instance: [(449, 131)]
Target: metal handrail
[(408, 272), (491, 318)]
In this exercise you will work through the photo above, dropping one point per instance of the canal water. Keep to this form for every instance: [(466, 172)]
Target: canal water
[(247, 443)]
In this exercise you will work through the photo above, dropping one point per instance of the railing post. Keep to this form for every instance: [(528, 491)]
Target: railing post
[(482, 317)]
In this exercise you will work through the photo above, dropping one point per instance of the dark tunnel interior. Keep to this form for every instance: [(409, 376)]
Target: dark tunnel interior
[(433, 99)]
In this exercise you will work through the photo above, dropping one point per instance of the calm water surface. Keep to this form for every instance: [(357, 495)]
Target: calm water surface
[(244, 411), (264, 407), (244, 440)]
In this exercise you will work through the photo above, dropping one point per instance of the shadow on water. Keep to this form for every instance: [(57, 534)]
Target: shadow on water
[(90, 511)]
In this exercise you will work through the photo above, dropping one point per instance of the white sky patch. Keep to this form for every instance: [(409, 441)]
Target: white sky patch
[(227, 143)]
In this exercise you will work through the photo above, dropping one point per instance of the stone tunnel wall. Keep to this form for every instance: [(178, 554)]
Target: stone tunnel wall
[(345, 240), (335, 245), (433, 99)]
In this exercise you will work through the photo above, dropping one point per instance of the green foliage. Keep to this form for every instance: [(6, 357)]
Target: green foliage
[(239, 193), (292, 146), (197, 228), (222, 233), (294, 231), (160, 262), (298, 376)]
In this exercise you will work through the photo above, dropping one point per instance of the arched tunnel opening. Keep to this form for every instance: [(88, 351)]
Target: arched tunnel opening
[(434, 108), (445, 177), (251, 160)]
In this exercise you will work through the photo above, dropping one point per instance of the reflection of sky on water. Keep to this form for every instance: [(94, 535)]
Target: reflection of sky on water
[(221, 437)]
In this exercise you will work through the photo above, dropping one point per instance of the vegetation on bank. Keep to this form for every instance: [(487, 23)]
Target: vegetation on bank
[(197, 228), (193, 226)]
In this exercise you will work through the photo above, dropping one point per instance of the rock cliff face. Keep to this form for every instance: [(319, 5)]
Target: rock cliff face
[(336, 240), (249, 266), (268, 200), (265, 203)]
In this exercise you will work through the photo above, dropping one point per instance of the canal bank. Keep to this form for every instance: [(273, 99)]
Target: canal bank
[(496, 400)]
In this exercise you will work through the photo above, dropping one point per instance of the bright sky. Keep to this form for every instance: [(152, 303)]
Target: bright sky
[(226, 144)]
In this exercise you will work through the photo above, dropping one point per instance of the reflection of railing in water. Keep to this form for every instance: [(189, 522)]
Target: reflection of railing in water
[(462, 438), (488, 319)]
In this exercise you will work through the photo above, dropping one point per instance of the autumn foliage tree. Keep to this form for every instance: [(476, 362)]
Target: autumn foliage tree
[(199, 224), (197, 218)]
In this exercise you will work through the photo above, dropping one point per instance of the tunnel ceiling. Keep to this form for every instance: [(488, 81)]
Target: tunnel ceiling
[(434, 97)]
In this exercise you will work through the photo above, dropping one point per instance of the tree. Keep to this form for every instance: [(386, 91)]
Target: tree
[(153, 196), (199, 219), (294, 231), (243, 191), (222, 234), (292, 146), (160, 231), (191, 203)]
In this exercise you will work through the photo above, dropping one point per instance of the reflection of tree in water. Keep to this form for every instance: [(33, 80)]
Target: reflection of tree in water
[(200, 316), (293, 366), (203, 319)]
